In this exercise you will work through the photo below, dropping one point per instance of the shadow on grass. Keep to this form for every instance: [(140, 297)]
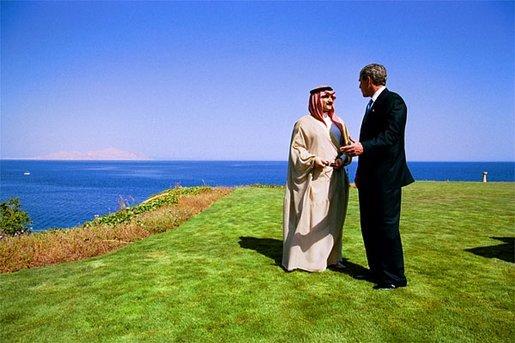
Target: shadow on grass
[(505, 252), (273, 248), (354, 270)]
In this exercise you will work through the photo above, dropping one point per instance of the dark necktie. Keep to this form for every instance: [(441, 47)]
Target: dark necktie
[(369, 106)]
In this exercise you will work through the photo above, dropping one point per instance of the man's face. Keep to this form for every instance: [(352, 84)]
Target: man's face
[(327, 98), (365, 84)]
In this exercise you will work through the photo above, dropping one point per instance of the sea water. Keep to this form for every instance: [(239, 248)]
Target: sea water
[(67, 193)]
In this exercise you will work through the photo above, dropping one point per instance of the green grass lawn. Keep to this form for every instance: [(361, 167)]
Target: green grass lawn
[(218, 278)]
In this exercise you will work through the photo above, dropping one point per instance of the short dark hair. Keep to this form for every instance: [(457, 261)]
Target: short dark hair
[(377, 73)]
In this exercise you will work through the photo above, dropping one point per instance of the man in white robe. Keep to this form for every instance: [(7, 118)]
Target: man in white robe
[(316, 196)]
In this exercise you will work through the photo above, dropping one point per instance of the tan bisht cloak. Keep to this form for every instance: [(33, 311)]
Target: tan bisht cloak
[(315, 201)]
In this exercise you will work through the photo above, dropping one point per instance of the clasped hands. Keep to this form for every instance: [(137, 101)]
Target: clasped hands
[(352, 149)]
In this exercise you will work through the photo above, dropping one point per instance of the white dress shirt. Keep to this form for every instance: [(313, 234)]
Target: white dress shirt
[(376, 94)]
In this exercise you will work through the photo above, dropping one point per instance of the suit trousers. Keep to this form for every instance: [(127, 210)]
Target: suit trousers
[(380, 212)]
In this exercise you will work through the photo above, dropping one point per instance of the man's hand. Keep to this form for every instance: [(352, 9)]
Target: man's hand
[(353, 149), (337, 164), (319, 163)]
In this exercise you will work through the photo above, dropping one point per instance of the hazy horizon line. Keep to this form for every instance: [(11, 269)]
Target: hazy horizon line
[(219, 160)]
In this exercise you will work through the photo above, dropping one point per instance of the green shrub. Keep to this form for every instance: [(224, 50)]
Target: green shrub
[(167, 197), (13, 220)]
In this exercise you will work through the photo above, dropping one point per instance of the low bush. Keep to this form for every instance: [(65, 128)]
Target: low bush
[(13, 220), (168, 197)]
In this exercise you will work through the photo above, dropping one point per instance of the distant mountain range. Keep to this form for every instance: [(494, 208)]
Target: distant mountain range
[(104, 154)]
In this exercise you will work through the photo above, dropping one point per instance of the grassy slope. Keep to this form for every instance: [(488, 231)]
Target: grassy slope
[(160, 213), (216, 278)]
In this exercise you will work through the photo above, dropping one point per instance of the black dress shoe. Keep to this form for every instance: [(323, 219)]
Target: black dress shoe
[(389, 286)]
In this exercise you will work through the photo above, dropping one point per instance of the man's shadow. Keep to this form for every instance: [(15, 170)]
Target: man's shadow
[(505, 251), (273, 249), (269, 247)]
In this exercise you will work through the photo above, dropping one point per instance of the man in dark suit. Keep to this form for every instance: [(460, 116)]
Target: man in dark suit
[(382, 171)]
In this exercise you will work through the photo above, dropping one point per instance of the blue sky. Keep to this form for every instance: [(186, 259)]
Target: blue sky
[(227, 80)]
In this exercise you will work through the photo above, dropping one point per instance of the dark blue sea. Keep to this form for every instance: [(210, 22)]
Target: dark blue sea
[(67, 193)]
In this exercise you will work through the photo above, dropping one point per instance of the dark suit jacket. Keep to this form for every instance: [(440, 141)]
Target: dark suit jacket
[(383, 162)]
